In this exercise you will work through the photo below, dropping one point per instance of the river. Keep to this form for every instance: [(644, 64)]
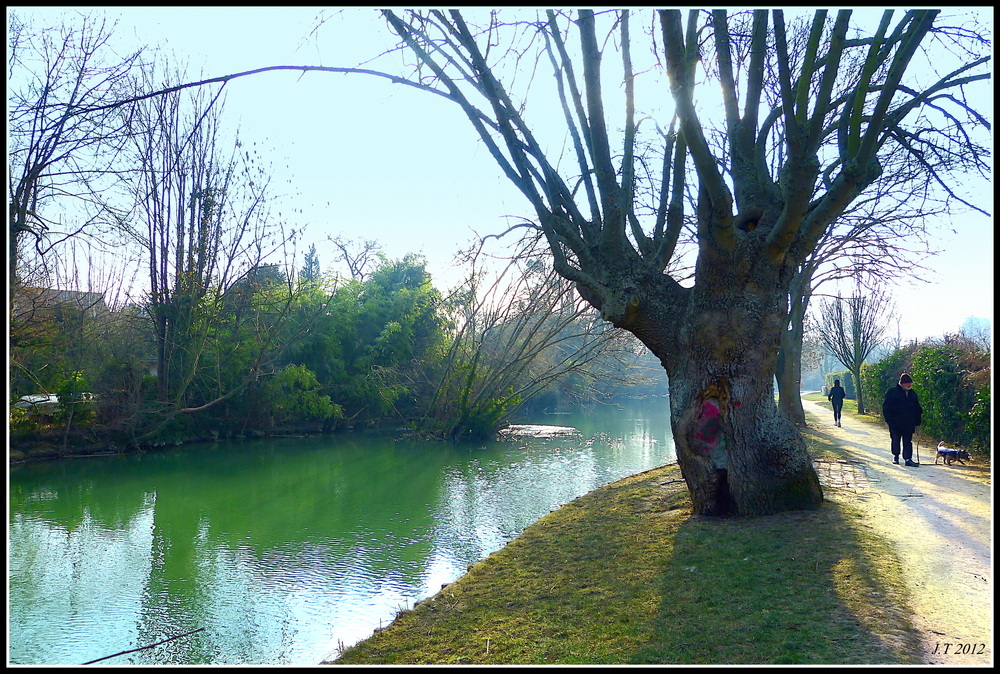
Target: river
[(280, 551)]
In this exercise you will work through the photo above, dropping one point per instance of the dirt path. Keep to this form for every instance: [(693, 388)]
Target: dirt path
[(940, 518)]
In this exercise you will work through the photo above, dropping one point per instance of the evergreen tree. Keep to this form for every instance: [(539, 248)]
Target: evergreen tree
[(310, 272)]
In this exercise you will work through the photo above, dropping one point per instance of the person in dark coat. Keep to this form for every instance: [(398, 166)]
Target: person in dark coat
[(901, 410), (837, 395)]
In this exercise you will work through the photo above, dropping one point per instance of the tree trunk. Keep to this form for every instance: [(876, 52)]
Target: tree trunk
[(162, 374), (858, 395), (738, 455), (789, 364), (789, 376)]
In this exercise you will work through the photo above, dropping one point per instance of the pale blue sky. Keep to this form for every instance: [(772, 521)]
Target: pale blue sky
[(368, 159)]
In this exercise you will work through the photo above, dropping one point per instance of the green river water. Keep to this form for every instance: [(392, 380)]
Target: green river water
[(280, 551)]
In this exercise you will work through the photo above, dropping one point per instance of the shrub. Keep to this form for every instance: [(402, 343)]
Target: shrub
[(937, 378), (977, 424), (481, 422), (20, 422), (75, 401)]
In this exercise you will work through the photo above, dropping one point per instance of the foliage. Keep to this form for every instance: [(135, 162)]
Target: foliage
[(310, 272), (481, 421), (519, 330), (75, 399), (19, 422), (371, 345), (174, 430), (292, 395), (937, 378), (109, 350), (978, 420), (880, 376), (205, 231), (53, 333), (125, 387)]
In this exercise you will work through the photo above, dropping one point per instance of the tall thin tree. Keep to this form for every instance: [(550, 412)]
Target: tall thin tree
[(853, 327), (201, 218)]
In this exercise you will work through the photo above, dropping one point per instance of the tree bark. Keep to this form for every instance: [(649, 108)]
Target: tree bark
[(858, 395)]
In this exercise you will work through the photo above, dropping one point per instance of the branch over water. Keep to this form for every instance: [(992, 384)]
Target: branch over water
[(142, 648)]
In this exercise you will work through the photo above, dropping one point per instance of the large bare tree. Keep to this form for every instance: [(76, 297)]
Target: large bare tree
[(761, 209), (60, 167), (883, 236), (888, 227), (517, 331)]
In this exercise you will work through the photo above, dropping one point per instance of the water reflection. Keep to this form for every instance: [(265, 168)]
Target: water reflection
[(280, 549)]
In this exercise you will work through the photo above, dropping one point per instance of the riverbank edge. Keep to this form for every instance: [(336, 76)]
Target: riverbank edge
[(625, 618), (50, 446)]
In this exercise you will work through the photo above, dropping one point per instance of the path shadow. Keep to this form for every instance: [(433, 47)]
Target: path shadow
[(797, 588), (928, 504)]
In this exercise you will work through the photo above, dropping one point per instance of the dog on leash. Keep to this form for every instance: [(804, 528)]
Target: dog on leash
[(948, 454)]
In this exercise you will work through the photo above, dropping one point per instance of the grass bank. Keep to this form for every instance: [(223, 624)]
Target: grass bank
[(626, 575)]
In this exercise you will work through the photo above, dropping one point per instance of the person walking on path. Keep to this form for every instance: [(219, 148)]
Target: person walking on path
[(837, 395), (901, 410)]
